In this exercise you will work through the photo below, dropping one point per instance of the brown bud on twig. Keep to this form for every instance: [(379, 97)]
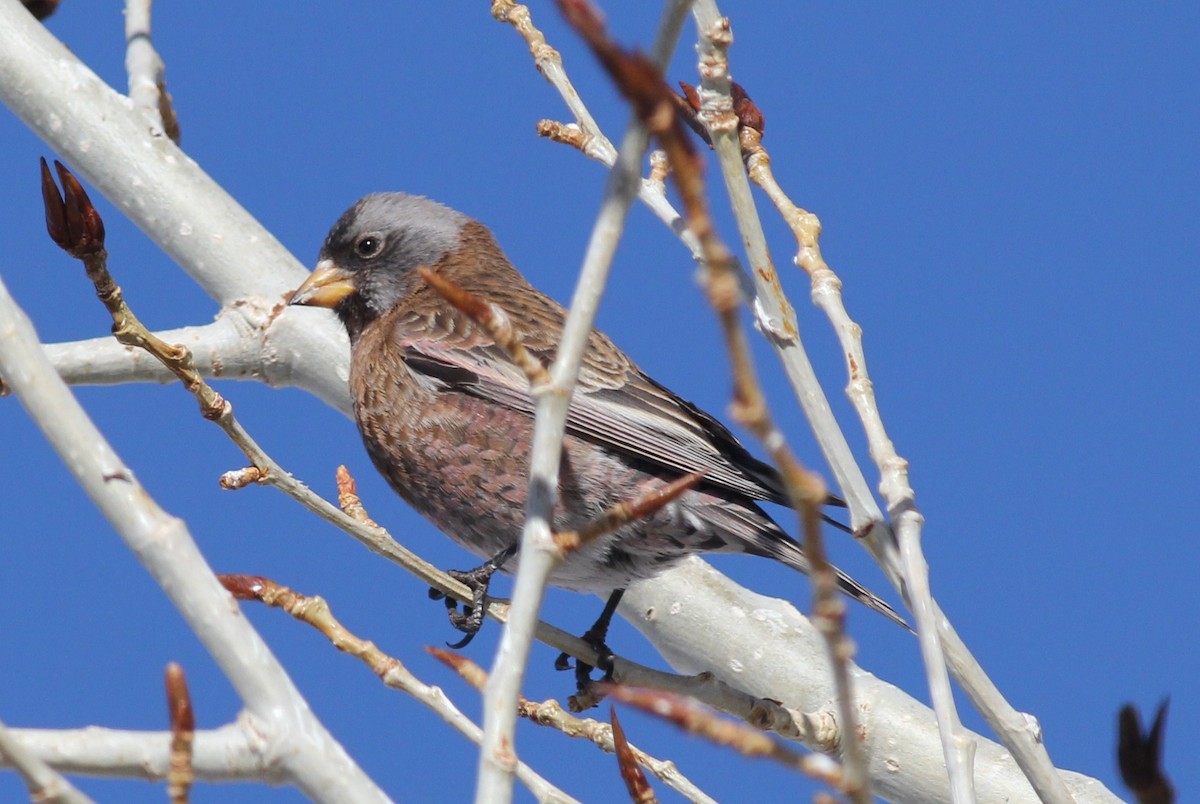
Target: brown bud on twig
[(71, 219), (690, 95), (1139, 756), (565, 133), (236, 479), (636, 783), (183, 731), (348, 499), (471, 673), (747, 111), (179, 701), (748, 114), (246, 587), (689, 105), (40, 9), (166, 110)]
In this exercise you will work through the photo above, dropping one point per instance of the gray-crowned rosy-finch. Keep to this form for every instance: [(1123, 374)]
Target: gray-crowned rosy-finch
[(447, 417)]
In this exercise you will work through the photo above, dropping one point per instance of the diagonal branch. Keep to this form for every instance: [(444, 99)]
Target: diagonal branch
[(940, 645), (314, 760), (643, 86), (44, 783), (693, 719), (315, 612), (538, 551), (551, 714)]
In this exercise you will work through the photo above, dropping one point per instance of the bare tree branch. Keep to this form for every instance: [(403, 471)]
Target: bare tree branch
[(315, 761), (315, 612), (44, 783)]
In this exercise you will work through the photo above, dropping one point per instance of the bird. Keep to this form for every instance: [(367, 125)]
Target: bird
[(447, 417)]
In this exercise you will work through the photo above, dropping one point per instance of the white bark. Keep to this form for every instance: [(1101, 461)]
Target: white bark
[(161, 542), (767, 647)]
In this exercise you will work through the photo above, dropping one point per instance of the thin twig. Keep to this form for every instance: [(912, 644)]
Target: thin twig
[(552, 714), (495, 322), (584, 134), (906, 519), (315, 612), (43, 782), (627, 511), (655, 103), (538, 551), (549, 64), (147, 84), (805, 492), (749, 742)]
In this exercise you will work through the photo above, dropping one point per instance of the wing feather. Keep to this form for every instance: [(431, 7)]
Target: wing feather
[(615, 404)]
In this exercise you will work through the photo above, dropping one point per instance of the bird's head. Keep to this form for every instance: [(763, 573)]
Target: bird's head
[(370, 258)]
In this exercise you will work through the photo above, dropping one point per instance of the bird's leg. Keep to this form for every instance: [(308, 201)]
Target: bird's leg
[(595, 637), (470, 619)]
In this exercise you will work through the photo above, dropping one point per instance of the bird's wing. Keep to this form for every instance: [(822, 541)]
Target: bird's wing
[(615, 404)]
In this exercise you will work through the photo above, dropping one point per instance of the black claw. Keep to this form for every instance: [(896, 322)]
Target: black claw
[(470, 619), (462, 643)]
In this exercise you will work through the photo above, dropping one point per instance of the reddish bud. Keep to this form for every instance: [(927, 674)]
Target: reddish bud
[(56, 215), (40, 9), (71, 219), (84, 225), (245, 587), (1139, 755), (690, 95), (748, 113), (179, 702), (631, 773)]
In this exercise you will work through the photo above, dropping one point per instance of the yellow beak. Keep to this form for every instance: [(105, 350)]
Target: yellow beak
[(325, 287)]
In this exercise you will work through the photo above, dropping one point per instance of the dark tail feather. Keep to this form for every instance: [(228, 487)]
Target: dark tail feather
[(788, 551), (852, 588), (844, 528), (849, 586), (748, 529)]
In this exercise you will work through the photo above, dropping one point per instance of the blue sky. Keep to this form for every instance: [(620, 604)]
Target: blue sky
[(1008, 193)]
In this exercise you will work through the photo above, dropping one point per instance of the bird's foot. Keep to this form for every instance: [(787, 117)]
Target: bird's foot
[(470, 619), (583, 671), (594, 637)]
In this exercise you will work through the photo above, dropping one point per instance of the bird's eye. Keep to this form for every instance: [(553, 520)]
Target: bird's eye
[(368, 246)]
